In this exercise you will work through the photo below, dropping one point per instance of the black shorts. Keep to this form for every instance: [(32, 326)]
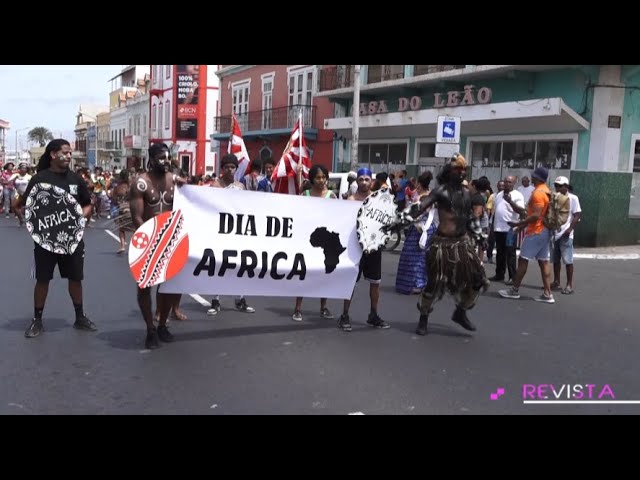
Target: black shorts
[(70, 266), (371, 267)]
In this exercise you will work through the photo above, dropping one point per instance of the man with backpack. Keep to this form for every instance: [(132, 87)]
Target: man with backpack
[(537, 238)]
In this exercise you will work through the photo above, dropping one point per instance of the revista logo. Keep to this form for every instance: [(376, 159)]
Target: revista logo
[(567, 391)]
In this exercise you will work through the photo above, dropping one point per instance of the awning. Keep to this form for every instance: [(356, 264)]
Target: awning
[(544, 115)]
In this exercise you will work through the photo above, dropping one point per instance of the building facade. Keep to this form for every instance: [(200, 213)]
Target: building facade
[(580, 121), (128, 85), (267, 100), (86, 119), (182, 97)]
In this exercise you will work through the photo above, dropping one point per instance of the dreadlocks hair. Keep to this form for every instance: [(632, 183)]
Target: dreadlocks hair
[(52, 147), (444, 176)]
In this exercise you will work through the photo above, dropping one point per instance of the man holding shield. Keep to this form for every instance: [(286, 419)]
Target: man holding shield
[(370, 264), (54, 174), (453, 264), (151, 194)]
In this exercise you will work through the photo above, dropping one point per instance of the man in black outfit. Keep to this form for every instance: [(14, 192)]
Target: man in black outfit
[(53, 168)]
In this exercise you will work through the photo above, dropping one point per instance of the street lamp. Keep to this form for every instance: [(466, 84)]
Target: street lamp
[(19, 130)]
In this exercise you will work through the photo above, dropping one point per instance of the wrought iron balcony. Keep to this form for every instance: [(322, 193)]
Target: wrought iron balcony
[(333, 78), (426, 69), (283, 118)]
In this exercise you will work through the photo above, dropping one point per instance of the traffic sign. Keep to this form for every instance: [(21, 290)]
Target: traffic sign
[(447, 150), (448, 130)]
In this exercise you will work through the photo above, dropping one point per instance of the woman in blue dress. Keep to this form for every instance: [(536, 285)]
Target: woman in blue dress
[(411, 276)]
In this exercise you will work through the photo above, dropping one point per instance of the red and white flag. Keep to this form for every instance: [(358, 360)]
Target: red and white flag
[(285, 177), (238, 148)]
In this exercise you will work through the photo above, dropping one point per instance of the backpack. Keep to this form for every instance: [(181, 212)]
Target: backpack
[(558, 211)]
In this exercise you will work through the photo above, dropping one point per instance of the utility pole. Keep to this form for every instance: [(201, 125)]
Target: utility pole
[(17, 162), (356, 118)]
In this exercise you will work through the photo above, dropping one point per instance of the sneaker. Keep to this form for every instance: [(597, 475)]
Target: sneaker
[(344, 323), (544, 299), (496, 278), (151, 342), (164, 334), (83, 323), (508, 282), (326, 313), (297, 316), (510, 293), (243, 307), (215, 308), (376, 322), (34, 329)]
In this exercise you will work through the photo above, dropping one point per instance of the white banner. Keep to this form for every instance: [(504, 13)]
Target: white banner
[(266, 244)]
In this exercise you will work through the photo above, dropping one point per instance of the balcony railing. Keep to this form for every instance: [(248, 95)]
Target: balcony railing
[(333, 78), (383, 73), (341, 76), (270, 119), (426, 69)]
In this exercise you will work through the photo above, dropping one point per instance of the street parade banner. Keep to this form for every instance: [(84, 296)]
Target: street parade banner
[(260, 244)]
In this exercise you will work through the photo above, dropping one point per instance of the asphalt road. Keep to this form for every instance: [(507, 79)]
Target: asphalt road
[(265, 363)]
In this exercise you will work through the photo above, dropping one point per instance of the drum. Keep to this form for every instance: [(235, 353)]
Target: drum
[(377, 211), (54, 219)]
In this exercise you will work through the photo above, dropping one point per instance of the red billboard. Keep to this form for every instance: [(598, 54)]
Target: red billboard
[(187, 86)]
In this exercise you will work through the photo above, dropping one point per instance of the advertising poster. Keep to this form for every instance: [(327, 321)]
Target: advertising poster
[(187, 80)]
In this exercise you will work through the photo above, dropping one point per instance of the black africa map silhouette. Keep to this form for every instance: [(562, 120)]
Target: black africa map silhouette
[(331, 246)]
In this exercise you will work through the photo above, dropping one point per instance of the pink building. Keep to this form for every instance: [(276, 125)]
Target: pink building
[(267, 100)]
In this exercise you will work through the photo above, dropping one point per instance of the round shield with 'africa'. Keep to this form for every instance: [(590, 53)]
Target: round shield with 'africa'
[(159, 249), (54, 219), (378, 210)]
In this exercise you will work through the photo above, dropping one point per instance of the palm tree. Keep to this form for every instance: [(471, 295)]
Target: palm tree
[(41, 135)]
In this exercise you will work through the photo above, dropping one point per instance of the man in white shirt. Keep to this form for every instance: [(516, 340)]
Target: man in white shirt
[(504, 235), (563, 238), (526, 189)]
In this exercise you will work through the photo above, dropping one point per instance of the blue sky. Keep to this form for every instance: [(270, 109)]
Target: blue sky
[(49, 96)]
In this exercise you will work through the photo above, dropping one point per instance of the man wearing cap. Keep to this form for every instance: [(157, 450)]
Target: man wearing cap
[(563, 239), (453, 263), (537, 238), (370, 264)]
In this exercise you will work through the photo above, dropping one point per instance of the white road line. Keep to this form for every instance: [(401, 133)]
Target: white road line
[(112, 235), (200, 300), (195, 296), (604, 256)]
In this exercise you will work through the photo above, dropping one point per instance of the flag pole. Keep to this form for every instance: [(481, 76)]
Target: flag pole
[(301, 141)]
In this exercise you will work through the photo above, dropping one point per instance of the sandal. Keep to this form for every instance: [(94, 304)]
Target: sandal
[(567, 291), (555, 286), (178, 315)]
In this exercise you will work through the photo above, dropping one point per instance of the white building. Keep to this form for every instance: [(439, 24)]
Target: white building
[(128, 89)]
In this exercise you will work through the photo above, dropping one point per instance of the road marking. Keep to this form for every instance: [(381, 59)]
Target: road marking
[(113, 235), (195, 296), (356, 413), (200, 300), (604, 256)]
